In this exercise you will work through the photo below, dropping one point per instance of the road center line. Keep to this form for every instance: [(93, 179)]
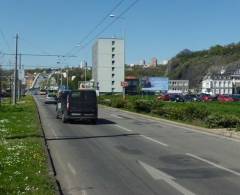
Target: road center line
[(123, 128), (71, 169), (213, 164), (153, 140)]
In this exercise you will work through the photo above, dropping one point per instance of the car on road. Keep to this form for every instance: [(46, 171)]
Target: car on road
[(77, 105), (43, 92), (50, 98)]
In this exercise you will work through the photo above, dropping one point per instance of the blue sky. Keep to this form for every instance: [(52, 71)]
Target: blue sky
[(153, 28)]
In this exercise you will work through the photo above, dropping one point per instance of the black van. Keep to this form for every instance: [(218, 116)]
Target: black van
[(77, 105)]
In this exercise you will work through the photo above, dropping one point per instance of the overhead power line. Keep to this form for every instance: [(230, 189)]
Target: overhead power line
[(109, 25), (41, 55), (4, 39), (98, 25), (33, 46)]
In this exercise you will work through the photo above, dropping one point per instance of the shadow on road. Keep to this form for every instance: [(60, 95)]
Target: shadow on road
[(100, 121), (92, 137)]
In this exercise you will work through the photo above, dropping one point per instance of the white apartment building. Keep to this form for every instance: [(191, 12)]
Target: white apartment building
[(108, 64), (223, 83), (217, 84)]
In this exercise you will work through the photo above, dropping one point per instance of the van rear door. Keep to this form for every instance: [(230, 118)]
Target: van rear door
[(83, 101)]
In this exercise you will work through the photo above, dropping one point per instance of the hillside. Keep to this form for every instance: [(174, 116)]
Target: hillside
[(194, 65)]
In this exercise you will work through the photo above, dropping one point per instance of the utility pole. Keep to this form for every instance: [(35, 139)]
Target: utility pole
[(19, 78), (15, 82), (67, 78), (0, 84), (85, 74)]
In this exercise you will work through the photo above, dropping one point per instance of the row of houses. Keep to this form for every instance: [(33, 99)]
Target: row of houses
[(224, 82)]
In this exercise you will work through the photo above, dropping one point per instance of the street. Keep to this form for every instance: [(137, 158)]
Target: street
[(129, 154)]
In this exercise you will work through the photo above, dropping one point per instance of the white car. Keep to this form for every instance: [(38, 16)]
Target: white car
[(50, 99)]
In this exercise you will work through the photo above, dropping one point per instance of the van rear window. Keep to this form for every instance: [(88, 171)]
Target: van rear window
[(84, 95)]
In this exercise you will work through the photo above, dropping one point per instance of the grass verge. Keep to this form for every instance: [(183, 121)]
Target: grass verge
[(23, 164)]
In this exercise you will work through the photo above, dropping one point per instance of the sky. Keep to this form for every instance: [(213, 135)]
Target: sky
[(151, 28)]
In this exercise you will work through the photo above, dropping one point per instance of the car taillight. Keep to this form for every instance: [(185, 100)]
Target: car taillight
[(68, 104)]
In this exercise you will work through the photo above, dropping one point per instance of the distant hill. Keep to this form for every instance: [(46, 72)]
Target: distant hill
[(194, 65)]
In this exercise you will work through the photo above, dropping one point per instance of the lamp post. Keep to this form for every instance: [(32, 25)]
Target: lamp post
[(123, 25)]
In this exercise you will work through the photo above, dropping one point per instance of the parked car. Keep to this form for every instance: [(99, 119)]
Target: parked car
[(77, 105), (236, 97), (164, 97), (206, 97), (191, 98), (176, 98), (225, 98), (50, 98)]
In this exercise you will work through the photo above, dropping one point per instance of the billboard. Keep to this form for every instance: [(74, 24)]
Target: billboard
[(154, 84)]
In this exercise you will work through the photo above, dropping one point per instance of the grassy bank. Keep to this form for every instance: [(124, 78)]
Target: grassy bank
[(23, 164), (205, 114)]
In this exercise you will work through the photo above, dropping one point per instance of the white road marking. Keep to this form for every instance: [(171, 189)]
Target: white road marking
[(71, 169), (159, 175), (213, 164), (153, 140), (84, 192), (123, 128), (116, 116), (54, 133)]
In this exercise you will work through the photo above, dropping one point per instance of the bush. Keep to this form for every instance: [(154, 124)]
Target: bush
[(192, 112), (170, 112), (119, 103), (224, 121), (142, 105), (106, 102)]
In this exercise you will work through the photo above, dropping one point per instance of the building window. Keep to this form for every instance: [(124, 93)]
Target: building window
[(113, 42), (113, 68), (113, 82), (113, 62), (113, 56), (113, 89), (113, 75), (113, 49)]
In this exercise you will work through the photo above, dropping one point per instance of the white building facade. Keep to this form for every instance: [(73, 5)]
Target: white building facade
[(217, 84), (178, 86), (108, 58), (225, 83)]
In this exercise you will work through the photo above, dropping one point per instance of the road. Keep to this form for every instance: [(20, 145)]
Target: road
[(130, 154)]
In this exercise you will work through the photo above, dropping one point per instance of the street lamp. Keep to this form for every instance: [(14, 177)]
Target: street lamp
[(123, 27)]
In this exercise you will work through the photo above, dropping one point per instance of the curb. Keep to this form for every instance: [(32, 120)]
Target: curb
[(50, 159), (217, 132)]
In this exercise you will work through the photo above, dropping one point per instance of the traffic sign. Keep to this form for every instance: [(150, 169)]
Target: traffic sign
[(124, 83)]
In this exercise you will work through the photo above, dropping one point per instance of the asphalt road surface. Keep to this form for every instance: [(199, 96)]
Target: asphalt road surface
[(130, 154)]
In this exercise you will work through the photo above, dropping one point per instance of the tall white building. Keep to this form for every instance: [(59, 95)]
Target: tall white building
[(108, 64)]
